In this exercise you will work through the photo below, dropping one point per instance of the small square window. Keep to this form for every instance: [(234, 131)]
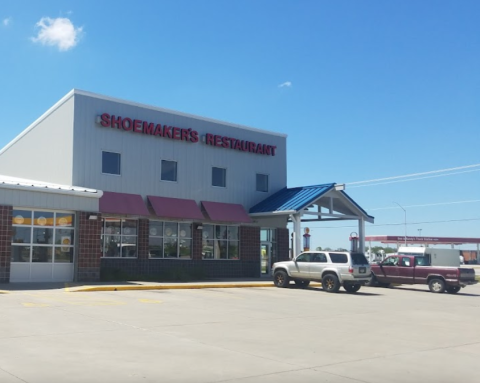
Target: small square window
[(219, 177), (169, 171), (262, 182), (111, 163)]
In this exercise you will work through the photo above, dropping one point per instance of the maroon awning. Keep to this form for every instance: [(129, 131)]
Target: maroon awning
[(176, 208), (226, 212), (123, 203)]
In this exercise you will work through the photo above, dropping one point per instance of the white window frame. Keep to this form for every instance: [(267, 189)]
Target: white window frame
[(256, 182), (215, 240), (121, 235), (54, 227), (211, 176), (120, 167), (163, 237), (176, 170)]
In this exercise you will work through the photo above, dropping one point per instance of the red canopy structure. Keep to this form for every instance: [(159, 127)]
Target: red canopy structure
[(422, 240)]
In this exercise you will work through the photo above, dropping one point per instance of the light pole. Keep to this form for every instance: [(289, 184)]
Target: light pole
[(405, 220), (419, 232)]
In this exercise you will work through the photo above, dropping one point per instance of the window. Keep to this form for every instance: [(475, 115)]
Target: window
[(319, 258), (268, 235), (338, 258), (119, 238), (42, 236), (405, 262), (111, 163), (219, 177), (359, 259), (169, 171), (262, 182), (170, 240), (390, 261), (422, 261), (305, 257), (220, 242)]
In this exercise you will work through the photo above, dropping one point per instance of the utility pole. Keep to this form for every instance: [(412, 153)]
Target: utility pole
[(405, 220)]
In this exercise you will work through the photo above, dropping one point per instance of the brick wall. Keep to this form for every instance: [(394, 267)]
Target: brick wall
[(5, 242), (283, 245), (89, 245), (247, 267), (196, 242)]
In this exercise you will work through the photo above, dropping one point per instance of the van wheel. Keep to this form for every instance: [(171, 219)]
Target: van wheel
[(349, 288), (330, 283), (453, 289), (436, 285), (281, 279), (301, 283)]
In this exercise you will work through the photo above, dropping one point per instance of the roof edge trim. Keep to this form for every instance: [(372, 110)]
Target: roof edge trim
[(89, 194)]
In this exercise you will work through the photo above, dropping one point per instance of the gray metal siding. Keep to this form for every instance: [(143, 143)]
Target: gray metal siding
[(41, 200), (45, 150), (141, 156)]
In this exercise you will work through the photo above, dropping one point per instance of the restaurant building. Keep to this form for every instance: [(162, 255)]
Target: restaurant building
[(104, 187)]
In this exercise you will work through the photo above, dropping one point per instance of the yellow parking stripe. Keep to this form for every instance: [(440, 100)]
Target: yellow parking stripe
[(149, 301), (29, 304)]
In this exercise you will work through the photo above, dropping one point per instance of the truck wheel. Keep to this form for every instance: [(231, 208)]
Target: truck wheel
[(301, 283), (436, 285), (330, 283), (281, 279), (349, 288), (453, 289), (372, 281)]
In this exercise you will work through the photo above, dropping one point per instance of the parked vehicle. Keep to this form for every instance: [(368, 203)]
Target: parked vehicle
[(409, 269), (332, 268)]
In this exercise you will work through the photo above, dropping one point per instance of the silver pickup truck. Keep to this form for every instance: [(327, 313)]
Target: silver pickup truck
[(332, 268)]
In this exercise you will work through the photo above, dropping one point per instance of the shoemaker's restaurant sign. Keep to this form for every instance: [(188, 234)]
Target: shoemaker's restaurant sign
[(182, 134)]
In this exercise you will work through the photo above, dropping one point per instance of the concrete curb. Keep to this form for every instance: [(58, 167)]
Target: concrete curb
[(173, 287), (170, 287)]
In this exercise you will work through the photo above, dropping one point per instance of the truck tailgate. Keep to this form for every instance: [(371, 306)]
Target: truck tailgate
[(467, 275)]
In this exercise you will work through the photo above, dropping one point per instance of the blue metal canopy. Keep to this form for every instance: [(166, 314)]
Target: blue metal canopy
[(293, 199)]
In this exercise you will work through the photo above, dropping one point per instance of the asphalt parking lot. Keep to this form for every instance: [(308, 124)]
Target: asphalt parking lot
[(245, 335)]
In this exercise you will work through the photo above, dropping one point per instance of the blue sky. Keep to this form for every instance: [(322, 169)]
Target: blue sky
[(364, 89)]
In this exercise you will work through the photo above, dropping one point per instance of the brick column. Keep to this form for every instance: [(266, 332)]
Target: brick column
[(250, 243), (89, 245), (283, 245), (196, 242), (143, 234), (5, 242)]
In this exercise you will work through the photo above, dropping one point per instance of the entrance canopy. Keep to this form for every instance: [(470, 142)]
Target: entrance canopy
[(326, 202)]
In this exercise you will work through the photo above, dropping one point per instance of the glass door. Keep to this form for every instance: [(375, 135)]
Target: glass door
[(265, 258)]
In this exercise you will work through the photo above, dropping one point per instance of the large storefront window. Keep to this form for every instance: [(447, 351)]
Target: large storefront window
[(220, 242), (170, 240), (42, 236), (119, 238)]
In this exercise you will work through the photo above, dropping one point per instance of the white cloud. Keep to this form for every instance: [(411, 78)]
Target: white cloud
[(286, 84), (6, 22), (59, 32)]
